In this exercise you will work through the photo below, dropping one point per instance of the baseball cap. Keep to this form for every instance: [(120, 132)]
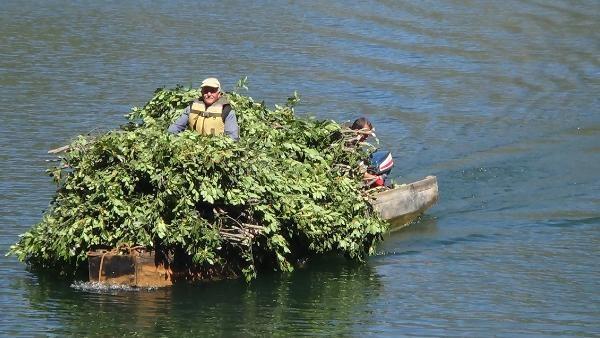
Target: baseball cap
[(211, 82)]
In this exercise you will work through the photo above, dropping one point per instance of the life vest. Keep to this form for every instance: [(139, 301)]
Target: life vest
[(211, 120)]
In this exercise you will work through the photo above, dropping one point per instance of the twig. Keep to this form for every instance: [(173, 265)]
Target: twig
[(59, 149), (356, 131), (237, 236), (252, 226)]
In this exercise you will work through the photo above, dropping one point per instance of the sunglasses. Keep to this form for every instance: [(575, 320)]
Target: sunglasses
[(209, 90)]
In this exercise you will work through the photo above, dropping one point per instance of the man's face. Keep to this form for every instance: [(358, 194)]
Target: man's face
[(210, 95)]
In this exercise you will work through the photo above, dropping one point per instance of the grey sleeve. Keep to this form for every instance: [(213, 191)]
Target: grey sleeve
[(231, 126), (181, 123)]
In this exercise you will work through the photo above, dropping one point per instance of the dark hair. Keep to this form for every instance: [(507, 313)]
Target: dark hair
[(361, 123)]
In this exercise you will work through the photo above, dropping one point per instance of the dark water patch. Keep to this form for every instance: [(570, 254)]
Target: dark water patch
[(467, 238), (445, 242), (477, 238), (581, 219)]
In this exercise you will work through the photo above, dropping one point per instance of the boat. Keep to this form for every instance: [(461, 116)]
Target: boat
[(138, 268), (403, 203)]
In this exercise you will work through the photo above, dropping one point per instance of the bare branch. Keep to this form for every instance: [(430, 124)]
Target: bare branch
[(59, 149)]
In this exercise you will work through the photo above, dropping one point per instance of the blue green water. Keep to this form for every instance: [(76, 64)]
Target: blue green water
[(499, 100)]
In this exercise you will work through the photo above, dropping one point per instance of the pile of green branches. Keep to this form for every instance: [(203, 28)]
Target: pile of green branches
[(289, 189)]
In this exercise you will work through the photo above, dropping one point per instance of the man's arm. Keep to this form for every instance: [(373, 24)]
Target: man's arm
[(181, 123), (231, 126)]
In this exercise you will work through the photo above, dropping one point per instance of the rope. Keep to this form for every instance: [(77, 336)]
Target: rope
[(101, 263)]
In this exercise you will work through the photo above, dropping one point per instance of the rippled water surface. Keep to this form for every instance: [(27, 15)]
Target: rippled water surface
[(498, 99)]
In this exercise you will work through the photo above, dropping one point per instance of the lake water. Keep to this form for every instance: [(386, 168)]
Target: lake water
[(498, 99)]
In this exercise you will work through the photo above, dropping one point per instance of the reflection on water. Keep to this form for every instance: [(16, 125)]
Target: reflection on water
[(499, 100), (322, 299)]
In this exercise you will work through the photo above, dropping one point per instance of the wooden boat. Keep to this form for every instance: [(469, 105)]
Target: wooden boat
[(139, 268), (134, 268), (405, 202)]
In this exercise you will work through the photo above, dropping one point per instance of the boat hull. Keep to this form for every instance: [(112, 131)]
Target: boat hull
[(136, 268), (402, 204)]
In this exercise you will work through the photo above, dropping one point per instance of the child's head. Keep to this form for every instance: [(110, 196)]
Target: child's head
[(362, 124)]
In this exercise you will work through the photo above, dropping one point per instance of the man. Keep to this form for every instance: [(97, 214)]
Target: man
[(212, 115)]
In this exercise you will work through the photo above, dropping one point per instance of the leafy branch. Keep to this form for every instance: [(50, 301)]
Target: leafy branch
[(289, 189)]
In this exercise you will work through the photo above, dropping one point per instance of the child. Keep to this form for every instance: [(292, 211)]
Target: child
[(364, 128)]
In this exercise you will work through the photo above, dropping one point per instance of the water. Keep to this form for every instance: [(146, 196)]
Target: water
[(500, 100)]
